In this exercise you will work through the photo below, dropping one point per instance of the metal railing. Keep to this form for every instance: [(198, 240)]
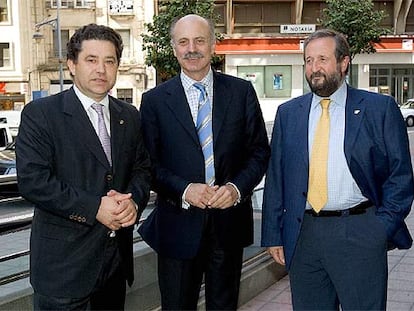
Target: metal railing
[(25, 273)]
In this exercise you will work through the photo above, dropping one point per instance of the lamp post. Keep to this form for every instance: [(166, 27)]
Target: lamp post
[(55, 23)]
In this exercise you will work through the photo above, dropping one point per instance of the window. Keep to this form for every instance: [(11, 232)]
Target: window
[(268, 81), (125, 35), (312, 11), (388, 8), (64, 36), (4, 11), (125, 95), (5, 60), (410, 20), (63, 3), (261, 17), (220, 10), (84, 3)]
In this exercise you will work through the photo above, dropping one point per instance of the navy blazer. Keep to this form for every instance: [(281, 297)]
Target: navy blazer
[(241, 153), (62, 169), (378, 156)]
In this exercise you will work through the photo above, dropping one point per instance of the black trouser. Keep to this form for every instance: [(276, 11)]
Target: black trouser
[(180, 280), (109, 292)]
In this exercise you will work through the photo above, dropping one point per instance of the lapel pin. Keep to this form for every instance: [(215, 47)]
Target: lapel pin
[(357, 111), (121, 122)]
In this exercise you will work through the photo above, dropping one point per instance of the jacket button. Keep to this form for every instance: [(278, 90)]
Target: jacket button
[(109, 177)]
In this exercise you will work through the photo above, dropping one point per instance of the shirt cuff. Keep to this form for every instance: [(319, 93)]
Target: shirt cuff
[(238, 193), (184, 203)]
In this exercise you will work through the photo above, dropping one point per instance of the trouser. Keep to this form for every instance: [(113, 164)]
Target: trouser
[(340, 261)]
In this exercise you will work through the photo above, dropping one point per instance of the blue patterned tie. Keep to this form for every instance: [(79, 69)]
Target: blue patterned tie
[(103, 132), (205, 132)]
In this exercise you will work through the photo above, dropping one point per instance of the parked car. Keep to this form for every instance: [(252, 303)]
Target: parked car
[(11, 118), (8, 160), (407, 111)]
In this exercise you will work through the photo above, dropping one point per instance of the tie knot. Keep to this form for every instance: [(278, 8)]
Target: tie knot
[(325, 103), (200, 87), (97, 107)]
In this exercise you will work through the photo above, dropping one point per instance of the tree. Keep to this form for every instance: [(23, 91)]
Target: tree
[(356, 19), (157, 42)]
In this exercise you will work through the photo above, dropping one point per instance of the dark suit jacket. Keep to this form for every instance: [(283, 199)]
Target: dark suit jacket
[(241, 154), (62, 169), (377, 152)]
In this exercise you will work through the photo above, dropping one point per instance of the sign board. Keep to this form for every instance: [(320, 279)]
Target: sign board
[(297, 28)]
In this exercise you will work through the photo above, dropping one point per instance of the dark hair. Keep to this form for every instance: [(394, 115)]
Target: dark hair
[(342, 46), (93, 32)]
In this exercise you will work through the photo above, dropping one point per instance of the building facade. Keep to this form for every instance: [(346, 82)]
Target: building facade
[(33, 54), (264, 43)]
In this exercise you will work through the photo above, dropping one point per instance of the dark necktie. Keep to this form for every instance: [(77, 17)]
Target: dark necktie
[(205, 132)]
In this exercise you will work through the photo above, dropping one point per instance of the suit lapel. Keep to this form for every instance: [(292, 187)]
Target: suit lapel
[(222, 98), (82, 126), (354, 113), (118, 125), (177, 102), (301, 129)]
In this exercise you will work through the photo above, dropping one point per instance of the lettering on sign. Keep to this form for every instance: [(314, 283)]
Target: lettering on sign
[(297, 28)]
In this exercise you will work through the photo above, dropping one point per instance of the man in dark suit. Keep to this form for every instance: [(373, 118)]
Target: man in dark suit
[(337, 255), (88, 192), (202, 222)]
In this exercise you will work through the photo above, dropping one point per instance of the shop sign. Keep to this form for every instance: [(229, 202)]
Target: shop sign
[(298, 28)]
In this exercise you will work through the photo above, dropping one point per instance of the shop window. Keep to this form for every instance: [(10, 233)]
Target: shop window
[(125, 95), (4, 11), (268, 81)]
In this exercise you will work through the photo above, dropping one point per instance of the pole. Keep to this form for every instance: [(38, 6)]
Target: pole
[(59, 38)]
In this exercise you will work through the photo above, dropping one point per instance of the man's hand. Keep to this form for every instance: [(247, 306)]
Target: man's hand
[(117, 210), (277, 253), (199, 194), (225, 197)]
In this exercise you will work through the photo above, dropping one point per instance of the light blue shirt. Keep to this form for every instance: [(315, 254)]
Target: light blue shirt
[(343, 191)]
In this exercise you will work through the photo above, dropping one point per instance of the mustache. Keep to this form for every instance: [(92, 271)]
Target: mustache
[(193, 55), (317, 75)]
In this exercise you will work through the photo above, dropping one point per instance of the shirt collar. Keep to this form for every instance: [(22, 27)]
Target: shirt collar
[(87, 101), (338, 97), (187, 82)]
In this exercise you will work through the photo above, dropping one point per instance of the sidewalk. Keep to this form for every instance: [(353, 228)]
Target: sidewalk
[(400, 284)]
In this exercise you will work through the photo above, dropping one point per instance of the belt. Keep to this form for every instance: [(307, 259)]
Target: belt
[(355, 210)]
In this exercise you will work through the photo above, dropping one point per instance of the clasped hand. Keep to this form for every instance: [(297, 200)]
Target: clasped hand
[(117, 210), (205, 196)]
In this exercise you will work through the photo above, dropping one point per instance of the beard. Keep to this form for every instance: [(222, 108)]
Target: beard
[(327, 86)]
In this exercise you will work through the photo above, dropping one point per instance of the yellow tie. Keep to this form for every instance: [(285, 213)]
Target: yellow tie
[(318, 185)]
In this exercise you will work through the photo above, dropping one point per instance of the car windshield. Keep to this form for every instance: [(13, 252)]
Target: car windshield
[(409, 104)]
